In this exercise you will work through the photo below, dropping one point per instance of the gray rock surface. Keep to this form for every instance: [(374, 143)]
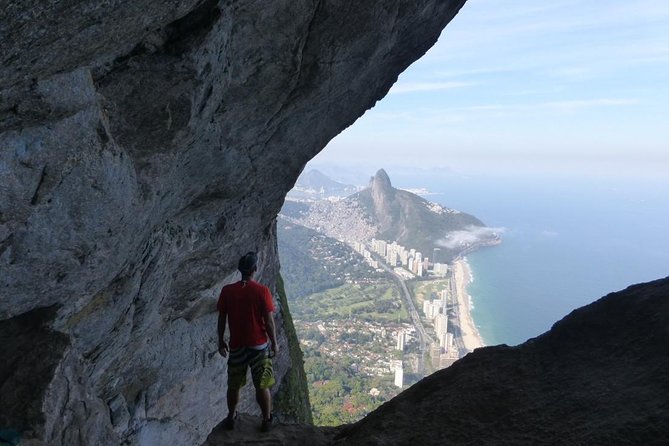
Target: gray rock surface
[(246, 432), (143, 146)]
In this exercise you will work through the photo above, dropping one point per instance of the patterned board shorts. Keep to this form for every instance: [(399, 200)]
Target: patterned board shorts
[(260, 363)]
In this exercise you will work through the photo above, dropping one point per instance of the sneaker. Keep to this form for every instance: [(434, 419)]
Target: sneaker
[(229, 422), (266, 425)]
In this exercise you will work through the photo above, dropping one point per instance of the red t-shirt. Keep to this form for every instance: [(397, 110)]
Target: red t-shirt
[(246, 303)]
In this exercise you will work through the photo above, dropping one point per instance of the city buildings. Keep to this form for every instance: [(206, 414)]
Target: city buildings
[(431, 308), (440, 269), (394, 254)]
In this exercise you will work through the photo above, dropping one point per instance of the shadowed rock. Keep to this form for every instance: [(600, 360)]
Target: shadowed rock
[(247, 431)]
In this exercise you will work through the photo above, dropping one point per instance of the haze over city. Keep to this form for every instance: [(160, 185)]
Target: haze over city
[(568, 85)]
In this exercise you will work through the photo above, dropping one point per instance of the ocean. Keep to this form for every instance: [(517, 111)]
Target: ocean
[(567, 241)]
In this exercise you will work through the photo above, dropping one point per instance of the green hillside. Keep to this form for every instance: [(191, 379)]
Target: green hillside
[(312, 262)]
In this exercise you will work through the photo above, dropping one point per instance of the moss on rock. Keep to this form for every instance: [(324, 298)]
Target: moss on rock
[(292, 399)]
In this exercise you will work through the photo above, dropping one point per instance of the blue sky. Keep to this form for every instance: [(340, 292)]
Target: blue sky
[(527, 84)]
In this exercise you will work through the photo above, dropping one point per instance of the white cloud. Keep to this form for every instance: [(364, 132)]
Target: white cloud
[(471, 235)]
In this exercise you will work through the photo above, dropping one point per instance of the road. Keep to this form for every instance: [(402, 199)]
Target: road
[(425, 339), (457, 335)]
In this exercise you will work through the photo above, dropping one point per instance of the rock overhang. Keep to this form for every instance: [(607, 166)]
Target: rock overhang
[(143, 146)]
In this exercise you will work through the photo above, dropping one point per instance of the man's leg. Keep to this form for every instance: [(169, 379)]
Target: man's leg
[(233, 399), (263, 379), (264, 399), (236, 380)]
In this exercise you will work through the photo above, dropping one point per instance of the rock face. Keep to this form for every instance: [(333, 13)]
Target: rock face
[(599, 376), (386, 210), (143, 146)]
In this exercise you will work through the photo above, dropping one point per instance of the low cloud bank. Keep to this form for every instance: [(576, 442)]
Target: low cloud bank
[(471, 235)]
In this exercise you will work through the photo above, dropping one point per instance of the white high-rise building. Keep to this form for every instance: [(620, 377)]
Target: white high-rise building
[(443, 340), (392, 257), (418, 264), (402, 255), (376, 246), (441, 324), (440, 269), (434, 311), (401, 340), (442, 306), (381, 246), (431, 308), (399, 372)]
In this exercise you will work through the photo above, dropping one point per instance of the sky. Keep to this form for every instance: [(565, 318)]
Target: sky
[(570, 85)]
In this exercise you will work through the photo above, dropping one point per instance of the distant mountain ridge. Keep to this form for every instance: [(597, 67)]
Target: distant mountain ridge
[(384, 212), (315, 185)]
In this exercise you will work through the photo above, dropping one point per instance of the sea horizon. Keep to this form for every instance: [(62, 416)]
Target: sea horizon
[(563, 246)]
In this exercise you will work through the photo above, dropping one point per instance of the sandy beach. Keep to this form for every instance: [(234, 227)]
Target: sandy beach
[(470, 334)]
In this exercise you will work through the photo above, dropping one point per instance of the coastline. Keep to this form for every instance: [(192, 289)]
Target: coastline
[(471, 337)]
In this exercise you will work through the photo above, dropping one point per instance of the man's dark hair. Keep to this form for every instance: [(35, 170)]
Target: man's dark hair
[(248, 263)]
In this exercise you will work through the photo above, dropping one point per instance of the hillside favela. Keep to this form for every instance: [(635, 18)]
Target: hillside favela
[(377, 280)]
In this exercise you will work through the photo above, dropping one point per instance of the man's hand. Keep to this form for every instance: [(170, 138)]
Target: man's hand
[(271, 332), (223, 348)]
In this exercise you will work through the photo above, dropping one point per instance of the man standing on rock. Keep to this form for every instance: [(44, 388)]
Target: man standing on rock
[(248, 308)]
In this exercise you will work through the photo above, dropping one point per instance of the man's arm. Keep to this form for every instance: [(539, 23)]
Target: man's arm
[(271, 331), (222, 345)]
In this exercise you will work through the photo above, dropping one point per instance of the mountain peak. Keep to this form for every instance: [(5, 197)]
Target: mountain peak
[(381, 181), (382, 189)]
